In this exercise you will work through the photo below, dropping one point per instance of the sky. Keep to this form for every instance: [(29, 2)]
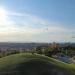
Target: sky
[(37, 20)]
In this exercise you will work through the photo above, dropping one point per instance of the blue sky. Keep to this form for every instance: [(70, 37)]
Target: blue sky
[(37, 20)]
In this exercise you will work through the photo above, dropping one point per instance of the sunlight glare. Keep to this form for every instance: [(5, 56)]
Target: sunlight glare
[(3, 15)]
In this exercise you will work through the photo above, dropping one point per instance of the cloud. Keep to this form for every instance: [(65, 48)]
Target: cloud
[(29, 19), (21, 27)]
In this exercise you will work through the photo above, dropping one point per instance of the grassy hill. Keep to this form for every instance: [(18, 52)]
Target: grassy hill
[(28, 64)]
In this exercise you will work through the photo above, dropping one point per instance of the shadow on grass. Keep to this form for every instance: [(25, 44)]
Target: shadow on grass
[(37, 67)]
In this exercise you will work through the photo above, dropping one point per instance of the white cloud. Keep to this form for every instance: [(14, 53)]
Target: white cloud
[(11, 31)]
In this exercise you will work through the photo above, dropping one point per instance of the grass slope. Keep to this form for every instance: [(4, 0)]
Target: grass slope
[(28, 64)]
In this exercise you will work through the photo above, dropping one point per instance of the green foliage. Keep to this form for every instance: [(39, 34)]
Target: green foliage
[(39, 50)]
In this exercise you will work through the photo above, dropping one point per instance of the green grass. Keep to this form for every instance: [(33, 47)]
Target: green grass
[(28, 64)]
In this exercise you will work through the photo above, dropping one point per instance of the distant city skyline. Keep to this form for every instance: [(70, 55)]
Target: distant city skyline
[(37, 20)]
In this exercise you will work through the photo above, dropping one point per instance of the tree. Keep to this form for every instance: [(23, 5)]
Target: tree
[(39, 50)]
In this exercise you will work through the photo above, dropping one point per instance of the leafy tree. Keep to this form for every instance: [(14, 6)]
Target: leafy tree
[(39, 50)]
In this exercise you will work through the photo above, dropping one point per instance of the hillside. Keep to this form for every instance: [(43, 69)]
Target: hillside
[(28, 64)]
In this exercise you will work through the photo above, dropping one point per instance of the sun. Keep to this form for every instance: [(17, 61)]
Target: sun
[(3, 15)]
